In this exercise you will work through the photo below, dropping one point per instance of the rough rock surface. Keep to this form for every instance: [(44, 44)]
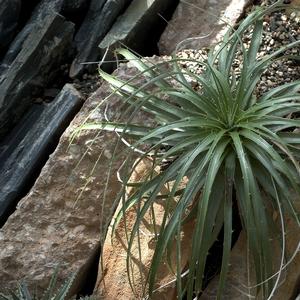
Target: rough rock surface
[(290, 279), (23, 155), (58, 222), (98, 21), (198, 23), (9, 15), (39, 55)]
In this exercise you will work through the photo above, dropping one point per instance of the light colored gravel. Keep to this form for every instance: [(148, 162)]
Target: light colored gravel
[(280, 28)]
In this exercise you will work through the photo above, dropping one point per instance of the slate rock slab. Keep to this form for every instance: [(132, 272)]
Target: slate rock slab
[(131, 27), (45, 47), (9, 16), (198, 23), (98, 21), (29, 146), (41, 11)]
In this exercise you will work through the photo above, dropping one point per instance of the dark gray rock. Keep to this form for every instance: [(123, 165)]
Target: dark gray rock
[(30, 144), (88, 24), (74, 6), (131, 28), (40, 54), (98, 21), (9, 16), (41, 11)]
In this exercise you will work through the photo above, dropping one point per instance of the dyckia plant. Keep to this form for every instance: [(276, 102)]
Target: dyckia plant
[(228, 141)]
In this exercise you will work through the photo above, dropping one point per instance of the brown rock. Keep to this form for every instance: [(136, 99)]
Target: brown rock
[(58, 222), (290, 280), (237, 282), (200, 23), (113, 283)]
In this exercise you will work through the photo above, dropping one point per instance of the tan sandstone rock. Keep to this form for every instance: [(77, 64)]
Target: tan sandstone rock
[(200, 23), (113, 283)]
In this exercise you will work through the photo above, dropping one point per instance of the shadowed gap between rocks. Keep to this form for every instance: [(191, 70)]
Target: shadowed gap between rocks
[(91, 276), (75, 14), (214, 259), (26, 11), (151, 48)]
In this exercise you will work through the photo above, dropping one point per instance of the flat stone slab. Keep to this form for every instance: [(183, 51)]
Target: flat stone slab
[(46, 45), (58, 222), (199, 23), (29, 146)]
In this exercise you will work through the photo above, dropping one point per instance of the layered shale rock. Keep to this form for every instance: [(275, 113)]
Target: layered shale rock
[(98, 21), (35, 22), (32, 63), (130, 28), (28, 145), (74, 6)]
